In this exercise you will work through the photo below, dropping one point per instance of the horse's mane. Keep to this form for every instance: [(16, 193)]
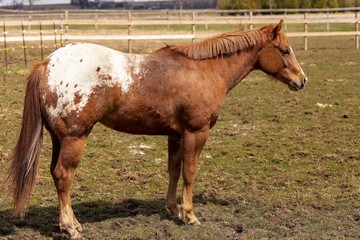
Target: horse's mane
[(224, 44)]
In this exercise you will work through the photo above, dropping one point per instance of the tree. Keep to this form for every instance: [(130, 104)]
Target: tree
[(287, 3), (266, 4), (319, 4), (31, 3), (180, 3), (16, 4), (325, 3), (240, 4), (84, 4), (332, 4), (292, 4), (349, 3), (273, 4), (305, 4)]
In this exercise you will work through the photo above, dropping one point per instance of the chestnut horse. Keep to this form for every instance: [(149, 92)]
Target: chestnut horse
[(176, 91)]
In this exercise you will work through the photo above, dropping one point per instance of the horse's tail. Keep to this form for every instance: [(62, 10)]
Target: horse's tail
[(25, 157)]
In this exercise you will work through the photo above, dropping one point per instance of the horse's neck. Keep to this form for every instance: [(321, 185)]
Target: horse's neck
[(236, 67)]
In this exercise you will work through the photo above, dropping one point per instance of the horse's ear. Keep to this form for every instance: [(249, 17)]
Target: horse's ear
[(277, 29)]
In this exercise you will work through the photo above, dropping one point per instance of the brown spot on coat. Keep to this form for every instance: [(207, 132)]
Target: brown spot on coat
[(77, 98)]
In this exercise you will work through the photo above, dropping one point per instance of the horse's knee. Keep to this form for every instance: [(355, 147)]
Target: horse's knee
[(189, 176)]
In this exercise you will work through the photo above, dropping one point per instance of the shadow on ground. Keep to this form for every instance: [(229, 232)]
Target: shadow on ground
[(45, 219)]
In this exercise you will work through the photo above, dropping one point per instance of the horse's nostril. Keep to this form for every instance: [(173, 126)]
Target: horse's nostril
[(305, 80)]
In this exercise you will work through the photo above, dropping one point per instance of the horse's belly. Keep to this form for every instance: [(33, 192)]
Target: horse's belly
[(136, 123)]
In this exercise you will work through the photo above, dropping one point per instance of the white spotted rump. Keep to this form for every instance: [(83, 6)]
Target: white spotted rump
[(76, 70)]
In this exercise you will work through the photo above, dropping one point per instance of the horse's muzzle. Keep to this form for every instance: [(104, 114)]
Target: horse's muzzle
[(296, 86)]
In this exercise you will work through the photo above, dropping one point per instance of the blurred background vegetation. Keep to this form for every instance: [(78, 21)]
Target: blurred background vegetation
[(269, 4)]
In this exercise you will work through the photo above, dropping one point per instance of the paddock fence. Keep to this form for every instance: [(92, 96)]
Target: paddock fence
[(62, 27)]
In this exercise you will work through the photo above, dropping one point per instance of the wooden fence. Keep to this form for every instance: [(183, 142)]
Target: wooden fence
[(63, 21)]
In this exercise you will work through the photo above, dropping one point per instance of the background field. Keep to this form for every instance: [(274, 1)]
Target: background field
[(278, 164)]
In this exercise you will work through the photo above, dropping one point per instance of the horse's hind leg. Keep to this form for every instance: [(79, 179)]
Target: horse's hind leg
[(174, 169), (63, 171), (55, 150)]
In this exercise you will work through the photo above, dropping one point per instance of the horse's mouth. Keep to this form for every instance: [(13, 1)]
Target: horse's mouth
[(295, 87)]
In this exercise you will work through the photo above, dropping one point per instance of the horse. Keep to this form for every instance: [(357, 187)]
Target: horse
[(176, 91)]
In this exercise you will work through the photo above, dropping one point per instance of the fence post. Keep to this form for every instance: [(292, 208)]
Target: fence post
[(206, 21), (29, 26), (357, 30), (96, 19), (66, 33), (193, 26), (129, 31), (305, 31), (66, 26), (41, 42), (327, 21), (61, 33), (5, 46), (66, 16), (24, 44), (168, 19), (251, 18), (55, 35)]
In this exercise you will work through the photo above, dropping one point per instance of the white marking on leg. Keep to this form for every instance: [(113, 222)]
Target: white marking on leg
[(67, 216), (67, 222)]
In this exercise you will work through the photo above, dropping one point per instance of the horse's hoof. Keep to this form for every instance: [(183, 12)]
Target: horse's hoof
[(174, 211), (79, 237), (76, 236), (74, 233), (79, 228), (189, 217), (194, 222)]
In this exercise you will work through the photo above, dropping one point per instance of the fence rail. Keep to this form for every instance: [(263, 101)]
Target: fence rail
[(63, 21), (4, 11)]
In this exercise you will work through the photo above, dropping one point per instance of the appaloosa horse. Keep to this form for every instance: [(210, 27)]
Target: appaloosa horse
[(176, 91)]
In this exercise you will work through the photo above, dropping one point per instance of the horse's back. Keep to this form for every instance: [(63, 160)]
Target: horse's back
[(89, 65)]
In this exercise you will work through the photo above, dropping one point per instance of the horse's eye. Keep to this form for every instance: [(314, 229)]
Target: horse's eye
[(284, 51)]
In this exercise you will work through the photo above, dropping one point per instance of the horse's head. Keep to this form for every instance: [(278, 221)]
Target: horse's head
[(278, 59)]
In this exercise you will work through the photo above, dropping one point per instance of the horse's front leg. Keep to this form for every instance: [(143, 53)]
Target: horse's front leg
[(193, 144), (174, 169), (63, 172)]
